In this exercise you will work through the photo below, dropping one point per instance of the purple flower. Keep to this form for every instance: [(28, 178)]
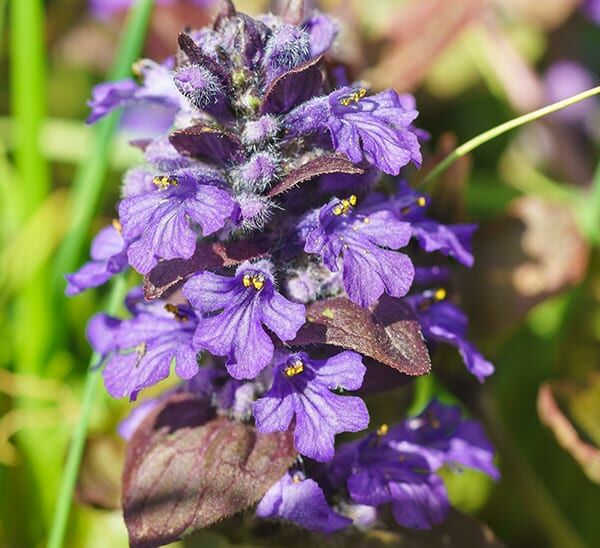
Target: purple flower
[(157, 88), (235, 310), (441, 436), (442, 321), (302, 388), (362, 244), (322, 31), (130, 423), (592, 10), (376, 473), (139, 350), (109, 257), (450, 240), (376, 129), (157, 224), (299, 500), (566, 78)]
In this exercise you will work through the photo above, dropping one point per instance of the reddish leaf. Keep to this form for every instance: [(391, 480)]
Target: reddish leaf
[(533, 253), (332, 163), (583, 405), (207, 142), (166, 275), (184, 472), (293, 87), (389, 333)]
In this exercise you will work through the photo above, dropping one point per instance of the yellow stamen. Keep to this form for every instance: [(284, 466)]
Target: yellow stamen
[(421, 201), (440, 294), (117, 226), (296, 478), (345, 205), (353, 200), (353, 97), (366, 220), (295, 368), (174, 309), (258, 282), (383, 430), (338, 210), (164, 181)]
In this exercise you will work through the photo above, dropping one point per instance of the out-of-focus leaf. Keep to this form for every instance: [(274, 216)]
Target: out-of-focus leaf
[(581, 403), (167, 275), (99, 482), (534, 252), (332, 163), (186, 470), (419, 32), (539, 13), (389, 333)]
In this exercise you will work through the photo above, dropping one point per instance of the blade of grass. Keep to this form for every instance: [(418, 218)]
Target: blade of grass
[(86, 193), (71, 470), (31, 317), (491, 134), (87, 184)]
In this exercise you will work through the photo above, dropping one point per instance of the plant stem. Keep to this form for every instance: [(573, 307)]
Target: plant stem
[(71, 470), (491, 134), (87, 184)]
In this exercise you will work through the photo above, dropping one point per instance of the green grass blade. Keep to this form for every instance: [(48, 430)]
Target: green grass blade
[(69, 478), (87, 184)]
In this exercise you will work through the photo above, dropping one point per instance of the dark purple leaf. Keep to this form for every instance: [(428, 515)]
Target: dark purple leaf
[(166, 275), (324, 165), (293, 87), (389, 333), (206, 142), (197, 56), (185, 471)]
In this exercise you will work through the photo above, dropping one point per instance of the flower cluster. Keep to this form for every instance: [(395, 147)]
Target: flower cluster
[(277, 187)]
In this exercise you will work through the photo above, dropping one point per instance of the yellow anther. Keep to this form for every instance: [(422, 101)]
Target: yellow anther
[(344, 206), (164, 181), (136, 68), (258, 282), (383, 430), (353, 97), (295, 368), (174, 309), (117, 226), (440, 294), (366, 220), (421, 201), (296, 478)]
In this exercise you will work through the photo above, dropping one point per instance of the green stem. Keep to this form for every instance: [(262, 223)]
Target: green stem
[(491, 134), (424, 389), (71, 470), (87, 184)]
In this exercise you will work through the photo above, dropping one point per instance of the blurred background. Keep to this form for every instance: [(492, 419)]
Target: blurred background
[(533, 296)]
